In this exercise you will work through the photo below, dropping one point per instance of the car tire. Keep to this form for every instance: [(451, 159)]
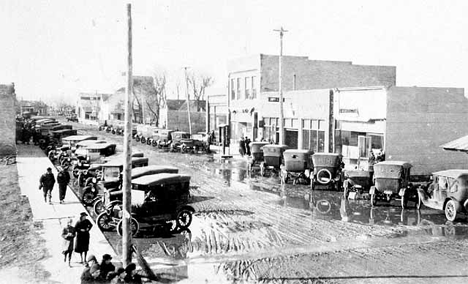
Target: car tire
[(104, 222), (143, 140), (88, 196), (137, 138), (134, 227), (327, 172), (98, 207), (450, 210), (184, 218)]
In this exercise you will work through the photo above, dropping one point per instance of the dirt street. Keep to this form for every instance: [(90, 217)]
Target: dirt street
[(250, 228)]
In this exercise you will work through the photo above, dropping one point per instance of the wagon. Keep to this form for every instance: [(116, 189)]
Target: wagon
[(297, 166), (272, 158)]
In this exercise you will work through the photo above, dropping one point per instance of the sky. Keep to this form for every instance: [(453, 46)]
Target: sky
[(55, 49)]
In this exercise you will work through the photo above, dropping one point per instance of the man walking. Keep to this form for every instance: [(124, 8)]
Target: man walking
[(63, 178), (46, 183)]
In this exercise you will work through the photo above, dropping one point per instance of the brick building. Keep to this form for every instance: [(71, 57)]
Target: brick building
[(407, 123), (174, 116), (251, 76), (8, 106)]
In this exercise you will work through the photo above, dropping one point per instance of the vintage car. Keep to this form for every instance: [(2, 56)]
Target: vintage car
[(272, 158), (86, 143), (297, 166), (58, 135), (164, 138), (327, 171), (256, 149), (157, 200), (72, 117), (73, 140), (448, 191), (356, 183), (111, 182), (176, 138), (95, 153), (392, 180)]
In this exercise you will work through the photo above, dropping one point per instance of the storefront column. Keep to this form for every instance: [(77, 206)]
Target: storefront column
[(300, 137)]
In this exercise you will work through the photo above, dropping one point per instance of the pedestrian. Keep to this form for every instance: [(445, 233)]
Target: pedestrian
[(46, 183), (63, 178), (90, 274), (68, 235), (242, 147), (131, 275), (82, 227), (247, 146), (107, 268), (119, 276)]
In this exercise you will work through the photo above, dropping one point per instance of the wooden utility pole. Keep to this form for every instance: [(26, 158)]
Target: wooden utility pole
[(188, 102), (280, 86), (127, 168)]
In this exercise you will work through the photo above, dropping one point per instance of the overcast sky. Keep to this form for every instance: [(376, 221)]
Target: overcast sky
[(59, 48)]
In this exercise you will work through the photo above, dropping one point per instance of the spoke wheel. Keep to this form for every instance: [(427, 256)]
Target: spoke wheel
[(88, 197), (98, 207), (451, 211), (104, 222), (184, 218), (134, 227)]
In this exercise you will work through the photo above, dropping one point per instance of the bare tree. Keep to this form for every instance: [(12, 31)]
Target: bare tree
[(157, 100), (197, 84)]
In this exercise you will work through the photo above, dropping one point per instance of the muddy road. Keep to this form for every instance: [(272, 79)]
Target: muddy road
[(249, 228)]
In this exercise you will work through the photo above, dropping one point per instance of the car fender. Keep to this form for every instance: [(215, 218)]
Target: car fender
[(188, 207), (402, 192), (465, 205)]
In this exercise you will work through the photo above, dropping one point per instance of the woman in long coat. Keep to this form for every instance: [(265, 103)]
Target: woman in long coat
[(82, 227), (68, 235)]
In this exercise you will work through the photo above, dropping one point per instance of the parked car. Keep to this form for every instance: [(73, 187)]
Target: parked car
[(176, 140), (359, 182), (272, 158), (448, 191), (72, 117), (256, 149), (111, 182), (164, 138), (156, 200), (73, 140), (392, 180), (327, 171), (297, 166)]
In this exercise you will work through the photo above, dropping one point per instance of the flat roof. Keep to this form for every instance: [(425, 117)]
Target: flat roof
[(460, 145)]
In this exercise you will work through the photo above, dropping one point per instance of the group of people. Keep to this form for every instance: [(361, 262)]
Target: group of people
[(106, 272), (47, 182), (25, 129), (244, 146), (76, 238)]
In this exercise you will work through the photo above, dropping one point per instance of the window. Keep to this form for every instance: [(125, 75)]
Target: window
[(364, 144), (247, 88), (233, 90), (254, 89), (238, 88), (294, 82)]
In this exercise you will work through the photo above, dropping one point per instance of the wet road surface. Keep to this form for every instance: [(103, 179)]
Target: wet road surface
[(249, 228)]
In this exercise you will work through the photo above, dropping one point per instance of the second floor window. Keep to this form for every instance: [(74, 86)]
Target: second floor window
[(238, 88), (254, 89), (247, 88), (233, 90)]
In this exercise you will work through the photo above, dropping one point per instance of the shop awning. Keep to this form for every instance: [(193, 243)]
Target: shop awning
[(460, 144)]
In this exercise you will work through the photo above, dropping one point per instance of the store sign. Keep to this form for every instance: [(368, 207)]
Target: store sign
[(347, 110), (274, 99)]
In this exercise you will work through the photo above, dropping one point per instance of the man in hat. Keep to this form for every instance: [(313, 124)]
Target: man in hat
[(107, 268), (63, 178), (46, 183)]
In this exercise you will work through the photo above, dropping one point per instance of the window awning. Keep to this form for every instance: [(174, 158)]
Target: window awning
[(460, 144)]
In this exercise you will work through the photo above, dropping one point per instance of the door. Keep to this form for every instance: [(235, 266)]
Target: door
[(291, 138), (364, 146)]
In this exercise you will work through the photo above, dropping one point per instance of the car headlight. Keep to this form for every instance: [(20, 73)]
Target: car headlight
[(94, 180)]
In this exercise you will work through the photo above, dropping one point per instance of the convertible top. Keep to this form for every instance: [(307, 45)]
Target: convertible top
[(153, 169), (455, 173), (100, 146), (158, 179), (79, 138)]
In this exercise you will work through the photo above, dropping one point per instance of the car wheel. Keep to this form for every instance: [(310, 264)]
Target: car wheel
[(137, 138), (143, 140), (154, 144), (184, 218), (98, 207), (104, 222), (373, 199), (88, 196), (451, 210), (134, 227)]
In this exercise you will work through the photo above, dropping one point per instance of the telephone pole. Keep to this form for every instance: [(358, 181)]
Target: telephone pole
[(127, 168), (188, 101), (280, 86)]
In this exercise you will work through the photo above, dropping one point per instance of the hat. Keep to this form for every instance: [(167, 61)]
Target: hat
[(120, 270), (49, 168), (91, 257), (130, 267), (106, 257), (83, 214)]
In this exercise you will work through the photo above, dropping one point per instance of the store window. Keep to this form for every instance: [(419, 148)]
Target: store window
[(233, 90), (254, 89), (239, 95), (247, 88)]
